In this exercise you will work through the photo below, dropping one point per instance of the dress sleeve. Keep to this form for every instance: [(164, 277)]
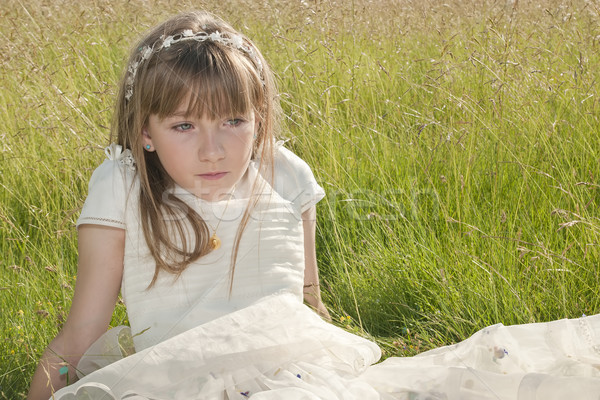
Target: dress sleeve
[(108, 190), (294, 180)]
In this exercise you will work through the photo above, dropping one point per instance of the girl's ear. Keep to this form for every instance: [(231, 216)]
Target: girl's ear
[(147, 140)]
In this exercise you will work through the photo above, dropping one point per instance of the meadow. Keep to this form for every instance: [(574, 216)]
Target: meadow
[(457, 142)]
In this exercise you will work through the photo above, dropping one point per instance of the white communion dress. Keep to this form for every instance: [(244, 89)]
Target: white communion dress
[(196, 339)]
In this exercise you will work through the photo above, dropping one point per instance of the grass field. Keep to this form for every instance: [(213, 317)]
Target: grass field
[(457, 142)]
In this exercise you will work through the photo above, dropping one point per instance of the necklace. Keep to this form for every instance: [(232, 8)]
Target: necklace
[(215, 241)]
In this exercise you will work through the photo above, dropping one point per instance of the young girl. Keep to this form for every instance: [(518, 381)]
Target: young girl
[(206, 226)]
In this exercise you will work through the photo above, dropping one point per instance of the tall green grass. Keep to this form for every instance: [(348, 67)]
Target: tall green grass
[(457, 143)]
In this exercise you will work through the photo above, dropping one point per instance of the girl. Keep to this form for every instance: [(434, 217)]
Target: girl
[(174, 216), (206, 226)]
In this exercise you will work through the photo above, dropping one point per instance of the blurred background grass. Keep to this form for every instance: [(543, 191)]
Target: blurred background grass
[(457, 143)]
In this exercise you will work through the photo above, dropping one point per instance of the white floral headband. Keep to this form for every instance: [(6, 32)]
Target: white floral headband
[(235, 41)]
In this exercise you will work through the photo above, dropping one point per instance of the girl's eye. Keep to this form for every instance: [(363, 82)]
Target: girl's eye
[(183, 127), (234, 122)]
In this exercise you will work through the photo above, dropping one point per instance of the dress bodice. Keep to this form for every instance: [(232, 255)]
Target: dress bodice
[(270, 259)]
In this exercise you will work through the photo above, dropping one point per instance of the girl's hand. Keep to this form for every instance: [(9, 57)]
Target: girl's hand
[(319, 309), (322, 311), (99, 273)]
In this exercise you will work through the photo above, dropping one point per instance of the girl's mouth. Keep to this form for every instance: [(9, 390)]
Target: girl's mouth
[(212, 176)]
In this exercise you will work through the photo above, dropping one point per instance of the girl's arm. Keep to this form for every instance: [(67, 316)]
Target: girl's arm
[(99, 273), (312, 292)]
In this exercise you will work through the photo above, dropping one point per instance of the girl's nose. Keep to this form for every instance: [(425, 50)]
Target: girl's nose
[(211, 149)]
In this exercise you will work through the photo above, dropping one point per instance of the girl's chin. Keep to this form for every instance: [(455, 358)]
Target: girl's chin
[(218, 194)]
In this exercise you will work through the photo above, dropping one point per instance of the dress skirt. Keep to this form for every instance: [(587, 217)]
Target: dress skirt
[(280, 349)]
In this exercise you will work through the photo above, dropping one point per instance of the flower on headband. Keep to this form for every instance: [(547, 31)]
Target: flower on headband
[(146, 52), (187, 33), (133, 67), (167, 42), (237, 41), (216, 37)]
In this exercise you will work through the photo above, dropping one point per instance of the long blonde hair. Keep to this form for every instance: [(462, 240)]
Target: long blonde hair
[(224, 81)]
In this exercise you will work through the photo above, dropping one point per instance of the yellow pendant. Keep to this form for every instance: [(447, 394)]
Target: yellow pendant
[(215, 242)]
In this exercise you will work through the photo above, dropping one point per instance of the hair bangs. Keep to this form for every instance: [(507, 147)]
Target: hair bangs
[(214, 82)]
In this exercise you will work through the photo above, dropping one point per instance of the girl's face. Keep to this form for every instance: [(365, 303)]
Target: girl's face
[(204, 156)]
